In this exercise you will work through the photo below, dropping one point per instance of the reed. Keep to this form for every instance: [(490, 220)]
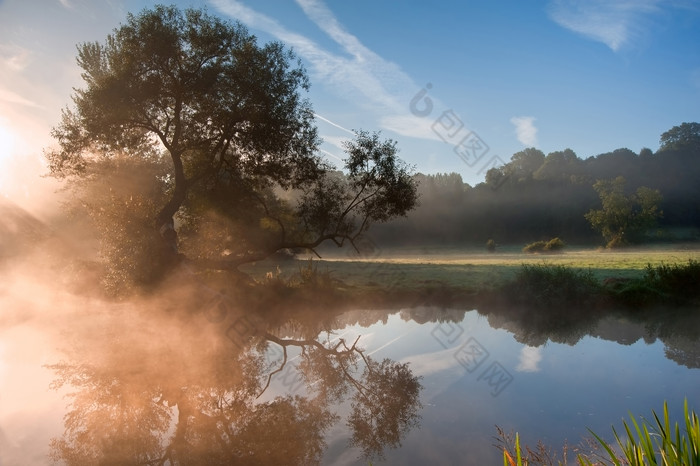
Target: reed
[(643, 443)]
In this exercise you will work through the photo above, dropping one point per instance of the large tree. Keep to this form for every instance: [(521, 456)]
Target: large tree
[(623, 218), (223, 142), (686, 135)]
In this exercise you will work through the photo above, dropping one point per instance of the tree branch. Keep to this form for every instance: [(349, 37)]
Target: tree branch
[(280, 369)]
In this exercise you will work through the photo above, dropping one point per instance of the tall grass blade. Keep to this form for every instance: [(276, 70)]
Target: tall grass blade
[(613, 457), (517, 449)]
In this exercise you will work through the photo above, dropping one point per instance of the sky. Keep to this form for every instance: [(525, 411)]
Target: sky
[(461, 86)]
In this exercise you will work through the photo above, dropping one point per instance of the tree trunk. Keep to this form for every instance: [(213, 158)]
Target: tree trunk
[(165, 223)]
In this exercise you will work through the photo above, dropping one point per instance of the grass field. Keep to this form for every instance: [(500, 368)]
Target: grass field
[(470, 269)]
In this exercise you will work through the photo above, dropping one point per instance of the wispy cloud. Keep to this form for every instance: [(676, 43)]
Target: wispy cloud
[(14, 98), (327, 22), (432, 363), (530, 358), (411, 125), (14, 58), (612, 22), (525, 130), (357, 74)]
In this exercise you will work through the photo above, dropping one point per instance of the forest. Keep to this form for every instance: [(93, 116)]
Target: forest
[(538, 197)]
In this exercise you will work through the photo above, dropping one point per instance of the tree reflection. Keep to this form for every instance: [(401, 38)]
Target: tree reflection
[(382, 407), (111, 420), (148, 401), (678, 328), (385, 396)]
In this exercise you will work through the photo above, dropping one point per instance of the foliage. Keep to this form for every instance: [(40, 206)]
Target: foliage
[(624, 219), (537, 246), (385, 407), (139, 399), (673, 282), (378, 187), (656, 442), (558, 166), (524, 164), (491, 245), (243, 178), (644, 443), (674, 278), (549, 286), (678, 137), (533, 197), (553, 245), (118, 200)]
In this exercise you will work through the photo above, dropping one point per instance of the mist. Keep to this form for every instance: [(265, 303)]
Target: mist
[(88, 375), (536, 197), (189, 276)]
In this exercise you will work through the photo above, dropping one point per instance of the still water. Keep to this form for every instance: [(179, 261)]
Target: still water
[(412, 386)]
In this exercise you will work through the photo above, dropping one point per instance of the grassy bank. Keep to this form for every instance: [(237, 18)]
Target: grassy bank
[(470, 271)]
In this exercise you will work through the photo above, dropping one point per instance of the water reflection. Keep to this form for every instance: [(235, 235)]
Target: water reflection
[(677, 328), (155, 383), (181, 392)]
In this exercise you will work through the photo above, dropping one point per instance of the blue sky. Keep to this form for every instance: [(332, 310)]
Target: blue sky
[(497, 76)]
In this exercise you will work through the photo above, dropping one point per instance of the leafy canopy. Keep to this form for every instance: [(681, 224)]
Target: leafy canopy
[(624, 218), (685, 135), (226, 118)]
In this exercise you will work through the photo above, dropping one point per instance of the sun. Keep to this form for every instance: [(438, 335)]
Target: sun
[(7, 142)]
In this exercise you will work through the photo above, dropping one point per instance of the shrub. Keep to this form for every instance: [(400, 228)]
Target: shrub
[(491, 245), (553, 245), (554, 285), (537, 246), (674, 284), (676, 279)]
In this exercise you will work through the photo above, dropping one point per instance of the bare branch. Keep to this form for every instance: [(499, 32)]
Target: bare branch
[(280, 369)]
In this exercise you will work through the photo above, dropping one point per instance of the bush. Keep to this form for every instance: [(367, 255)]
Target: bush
[(491, 245), (554, 285), (673, 283), (674, 278), (537, 246), (551, 246), (554, 244)]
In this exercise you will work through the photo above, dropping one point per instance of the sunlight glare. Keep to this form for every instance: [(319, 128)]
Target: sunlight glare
[(7, 142)]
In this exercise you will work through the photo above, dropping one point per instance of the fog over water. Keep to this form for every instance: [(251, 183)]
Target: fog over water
[(185, 373)]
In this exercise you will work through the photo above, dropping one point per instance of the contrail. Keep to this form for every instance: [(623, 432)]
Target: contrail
[(384, 345), (334, 124), (331, 155)]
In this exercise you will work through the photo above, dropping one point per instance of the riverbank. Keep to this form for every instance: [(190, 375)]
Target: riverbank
[(580, 277), (469, 269)]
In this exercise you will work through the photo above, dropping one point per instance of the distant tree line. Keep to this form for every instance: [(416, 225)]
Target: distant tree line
[(537, 197)]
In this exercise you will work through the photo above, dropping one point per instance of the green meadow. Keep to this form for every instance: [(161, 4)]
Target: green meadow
[(467, 269)]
